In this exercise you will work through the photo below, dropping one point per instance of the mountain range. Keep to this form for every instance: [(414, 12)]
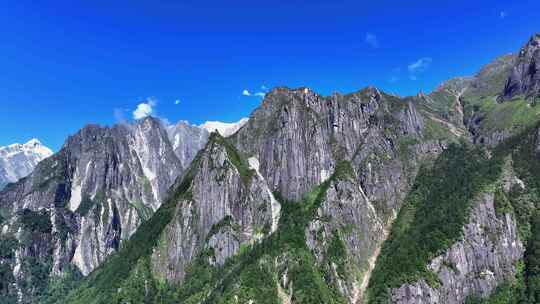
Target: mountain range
[(364, 197)]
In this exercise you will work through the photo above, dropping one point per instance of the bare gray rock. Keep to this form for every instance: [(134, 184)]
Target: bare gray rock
[(525, 76), (476, 265), (224, 209), (94, 192)]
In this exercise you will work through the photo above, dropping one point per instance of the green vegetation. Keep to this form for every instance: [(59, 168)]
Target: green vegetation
[(87, 203), (405, 146), (8, 244), (85, 206), (227, 221), (437, 130), (144, 212), (532, 261), (139, 287), (35, 221), (501, 202), (104, 282), (234, 156), (251, 275), (61, 285), (337, 252), (442, 194), (512, 115), (147, 187)]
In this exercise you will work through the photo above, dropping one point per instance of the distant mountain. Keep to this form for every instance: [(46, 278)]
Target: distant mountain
[(225, 129), (187, 140), (17, 161)]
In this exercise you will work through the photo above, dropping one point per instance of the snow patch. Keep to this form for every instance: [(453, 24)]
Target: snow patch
[(18, 161), (225, 129), (274, 204), (76, 197)]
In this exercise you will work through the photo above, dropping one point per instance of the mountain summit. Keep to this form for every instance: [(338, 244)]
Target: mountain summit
[(17, 161), (525, 76)]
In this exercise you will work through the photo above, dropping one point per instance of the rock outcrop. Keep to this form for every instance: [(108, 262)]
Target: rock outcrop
[(227, 205), (524, 80)]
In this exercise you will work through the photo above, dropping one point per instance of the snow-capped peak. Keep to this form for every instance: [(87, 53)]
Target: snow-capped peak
[(224, 128), (17, 161)]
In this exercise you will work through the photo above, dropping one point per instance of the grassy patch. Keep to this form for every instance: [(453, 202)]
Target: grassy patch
[(234, 156)]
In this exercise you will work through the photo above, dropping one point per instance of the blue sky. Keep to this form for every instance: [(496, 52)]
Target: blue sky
[(69, 64)]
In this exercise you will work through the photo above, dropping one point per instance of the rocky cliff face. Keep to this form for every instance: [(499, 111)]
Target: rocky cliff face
[(17, 161), (187, 140), (298, 135), (228, 204), (337, 168), (88, 199), (476, 265), (524, 79)]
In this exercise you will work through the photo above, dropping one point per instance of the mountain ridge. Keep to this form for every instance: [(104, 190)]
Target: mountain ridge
[(315, 199)]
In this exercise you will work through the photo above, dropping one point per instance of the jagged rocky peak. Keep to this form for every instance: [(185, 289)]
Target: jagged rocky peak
[(17, 161), (298, 135), (94, 193), (227, 204), (524, 79), (187, 140)]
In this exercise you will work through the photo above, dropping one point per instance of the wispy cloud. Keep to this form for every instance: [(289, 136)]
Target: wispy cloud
[(144, 109), (372, 40), (420, 65), (502, 14), (260, 93)]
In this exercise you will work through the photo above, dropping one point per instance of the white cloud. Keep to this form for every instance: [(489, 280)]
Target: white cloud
[(502, 14), (420, 65), (144, 109), (261, 93), (372, 40), (177, 101), (394, 79)]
